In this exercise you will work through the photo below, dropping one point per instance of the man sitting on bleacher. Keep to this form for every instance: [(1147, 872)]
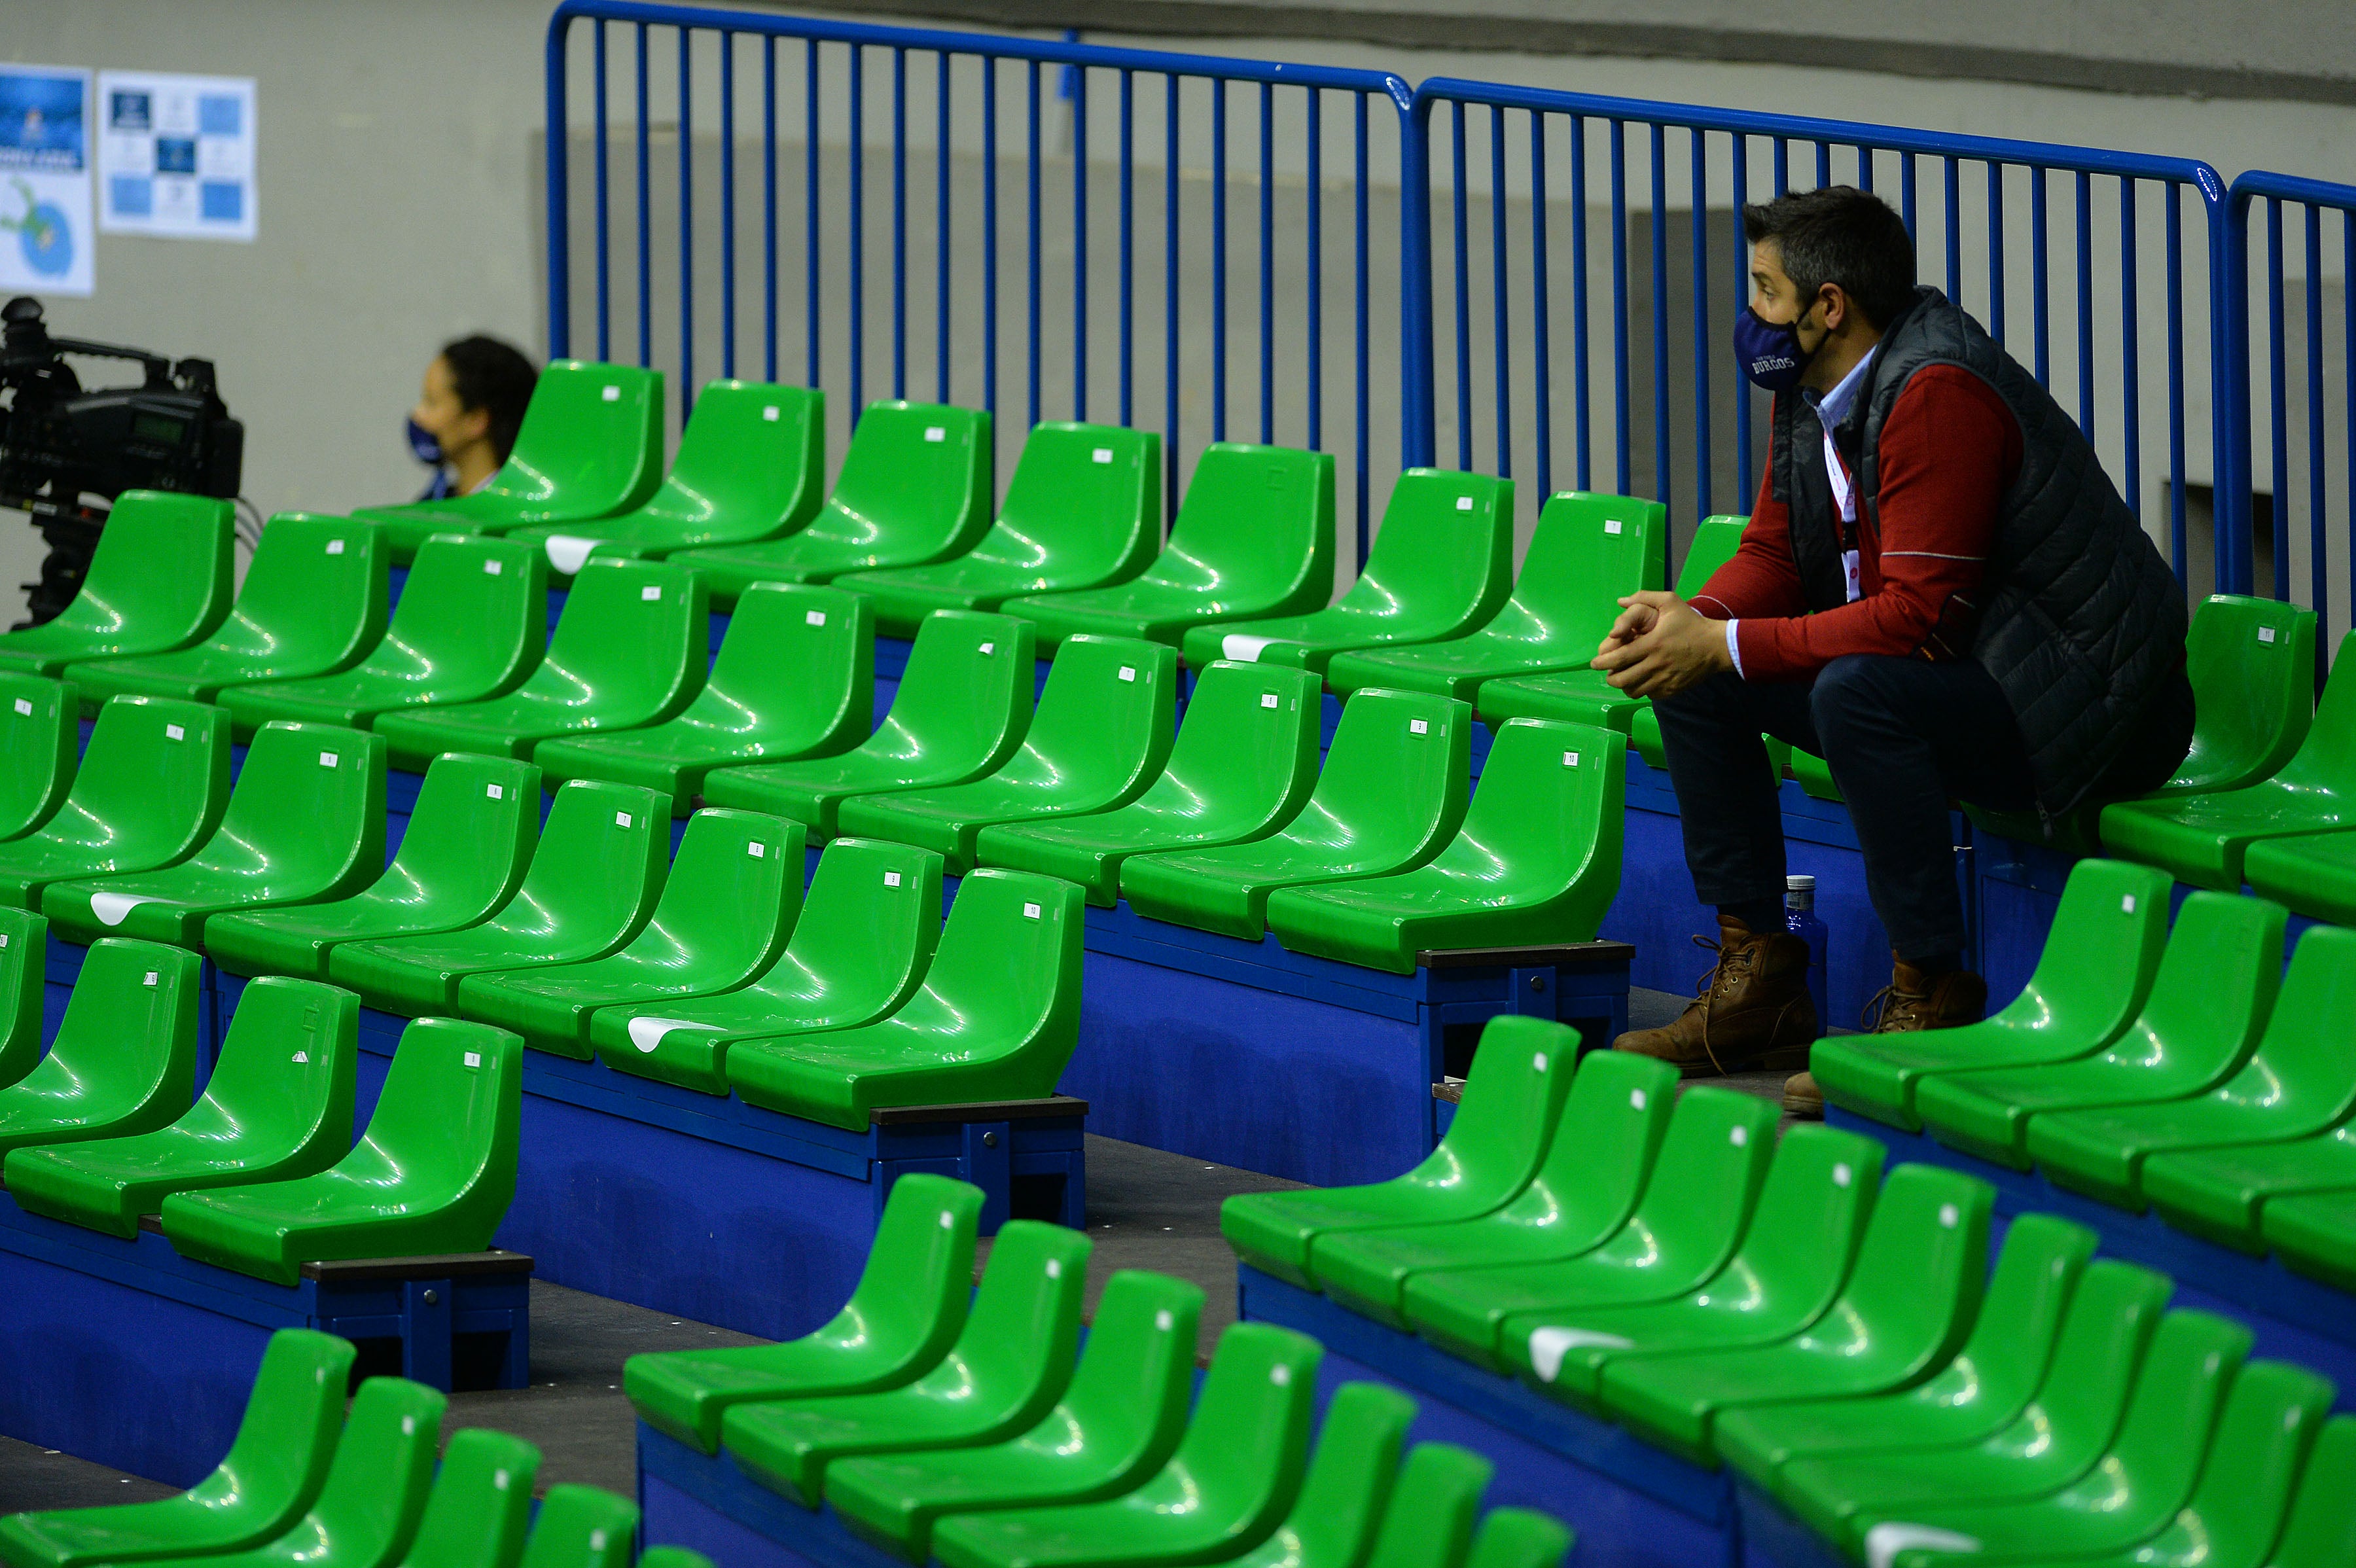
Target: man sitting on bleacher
[(1939, 592)]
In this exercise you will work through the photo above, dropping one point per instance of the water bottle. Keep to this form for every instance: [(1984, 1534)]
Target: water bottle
[(1800, 920)]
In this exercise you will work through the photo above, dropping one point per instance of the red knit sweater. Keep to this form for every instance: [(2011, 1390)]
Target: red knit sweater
[(1949, 451)]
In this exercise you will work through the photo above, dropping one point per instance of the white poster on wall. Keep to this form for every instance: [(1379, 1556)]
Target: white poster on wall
[(176, 155), (45, 158)]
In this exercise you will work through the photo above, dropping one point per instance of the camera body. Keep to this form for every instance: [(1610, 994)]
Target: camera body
[(66, 452)]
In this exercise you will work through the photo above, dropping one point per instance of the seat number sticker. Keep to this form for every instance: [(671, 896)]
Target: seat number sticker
[(814, 617), (936, 433), (1463, 503), (650, 593), (335, 547), (1030, 911)]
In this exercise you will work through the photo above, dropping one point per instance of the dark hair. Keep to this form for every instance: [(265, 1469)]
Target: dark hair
[(492, 375), (1839, 234)]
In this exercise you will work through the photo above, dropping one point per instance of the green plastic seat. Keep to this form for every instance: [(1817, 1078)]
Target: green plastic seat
[(152, 787), (2208, 1006), (1391, 795), (1810, 1218), (1906, 1309), (1083, 508), (726, 909), (1536, 862), (962, 707), (480, 1506), (1348, 1486), (908, 1308), (1106, 720), (593, 882), (1254, 538), (1590, 552), (2314, 873), (435, 1172), (630, 649), (1597, 1164), (2299, 1081), (273, 1471), (2202, 838), (2264, 1442), (2107, 1333), (1574, 696), (367, 1511), (1006, 1370), (23, 973), (1231, 1482), (1441, 564), (471, 624), (124, 1060), (2100, 960), (1118, 1422), (1429, 1524), (858, 952), (1244, 762), (581, 1527), (161, 578), (591, 444), (795, 677), (2218, 1194), (914, 487), (39, 717), (1521, 1075), (1971, 1399), (2321, 1528), (312, 603), (2314, 1233), (2252, 666), (750, 466), (1717, 1142), (471, 834), (2178, 1412), (279, 1106), (1520, 1538), (304, 825), (996, 1018)]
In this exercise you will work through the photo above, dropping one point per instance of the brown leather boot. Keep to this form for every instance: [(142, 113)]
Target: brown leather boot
[(1803, 1101), (1752, 1012), (1913, 1001)]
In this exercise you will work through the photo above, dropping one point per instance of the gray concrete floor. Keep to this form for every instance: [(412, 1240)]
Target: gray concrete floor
[(1147, 1210)]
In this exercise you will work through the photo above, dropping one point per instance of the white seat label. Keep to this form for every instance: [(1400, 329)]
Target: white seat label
[(567, 552), (302, 1059), (1101, 454), (335, 547), (1030, 911), (2265, 634), (613, 395), (150, 980), (650, 593), (1463, 503), (327, 759), (936, 433), (1129, 672), (1611, 525), (891, 879), (1417, 726), (496, 791), (473, 1058), (493, 568), (174, 732), (621, 819), (770, 414), (758, 850), (814, 617), (2127, 905), (24, 707), (988, 649), (1571, 759), (1267, 699)]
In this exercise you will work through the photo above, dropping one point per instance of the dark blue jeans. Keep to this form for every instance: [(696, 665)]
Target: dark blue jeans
[(1903, 738)]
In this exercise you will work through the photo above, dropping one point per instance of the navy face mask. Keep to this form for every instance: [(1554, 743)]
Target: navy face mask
[(421, 442), (1768, 351)]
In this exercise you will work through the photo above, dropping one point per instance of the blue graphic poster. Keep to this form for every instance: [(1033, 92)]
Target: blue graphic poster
[(45, 181), (176, 155)]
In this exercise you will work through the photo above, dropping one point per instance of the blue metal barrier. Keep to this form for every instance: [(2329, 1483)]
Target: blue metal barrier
[(963, 89), (1545, 149), (2299, 434)]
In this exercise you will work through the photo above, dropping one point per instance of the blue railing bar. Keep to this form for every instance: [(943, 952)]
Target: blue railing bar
[(1174, 235), (1996, 253), (2348, 392), (1313, 265), (1218, 261), (1954, 236), (1824, 163), (686, 234), (2275, 381), (1699, 240), (813, 187), (1783, 166), (1541, 351), (1266, 264), (1741, 302), (1031, 176), (899, 223), (941, 231), (1864, 167), (2316, 557), (1127, 245), (1359, 321), (2039, 279), (1463, 295), (770, 207), (990, 241), (1620, 301), (1077, 76), (728, 204), (560, 238), (1418, 437), (1906, 192), (2223, 578), (858, 233), (1501, 347), (1663, 480), (2086, 306), (2130, 367), (646, 267), (1578, 361)]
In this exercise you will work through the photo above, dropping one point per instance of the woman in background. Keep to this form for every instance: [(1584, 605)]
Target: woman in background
[(465, 420)]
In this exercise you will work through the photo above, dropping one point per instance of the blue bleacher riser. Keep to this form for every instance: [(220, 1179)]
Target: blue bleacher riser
[(130, 1355)]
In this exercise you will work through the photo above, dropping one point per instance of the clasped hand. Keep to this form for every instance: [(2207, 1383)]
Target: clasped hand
[(1660, 645)]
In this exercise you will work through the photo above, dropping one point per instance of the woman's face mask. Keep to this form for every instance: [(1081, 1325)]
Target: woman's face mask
[(422, 445)]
